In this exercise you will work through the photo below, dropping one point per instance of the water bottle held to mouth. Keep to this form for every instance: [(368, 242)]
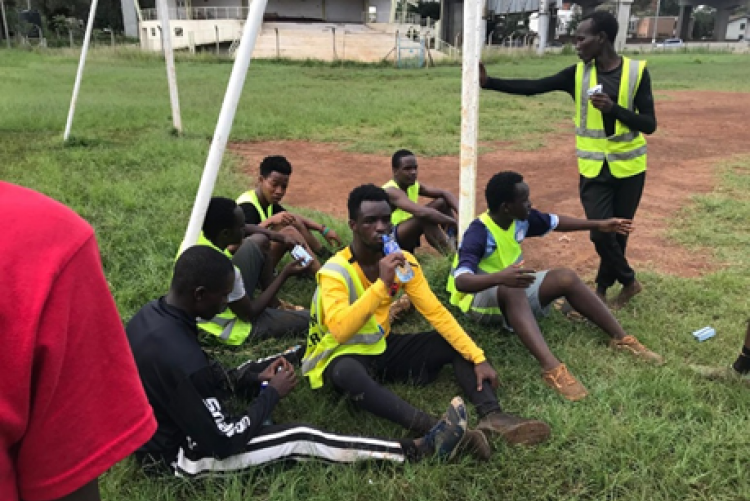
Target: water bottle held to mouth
[(403, 272)]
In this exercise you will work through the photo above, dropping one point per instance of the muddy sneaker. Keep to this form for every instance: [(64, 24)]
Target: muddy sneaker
[(445, 436), (721, 374), (475, 443), (632, 345), (562, 381), (398, 308), (515, 430)]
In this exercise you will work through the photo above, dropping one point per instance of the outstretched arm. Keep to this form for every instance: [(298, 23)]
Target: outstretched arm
[(563, 81), (613, 225)]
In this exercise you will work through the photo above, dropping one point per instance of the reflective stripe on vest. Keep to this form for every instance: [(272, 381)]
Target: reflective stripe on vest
[(225, 326), (412, 193), (625, 150), (507, 253), (250, 197), (322, 347)]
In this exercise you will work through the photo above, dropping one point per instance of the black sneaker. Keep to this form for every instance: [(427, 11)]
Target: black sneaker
[(445, 436)]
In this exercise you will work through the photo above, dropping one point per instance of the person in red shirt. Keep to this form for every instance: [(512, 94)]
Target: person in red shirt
[(71, 403)]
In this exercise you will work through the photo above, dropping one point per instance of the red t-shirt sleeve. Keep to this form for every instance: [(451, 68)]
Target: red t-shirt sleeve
[(88, 408)]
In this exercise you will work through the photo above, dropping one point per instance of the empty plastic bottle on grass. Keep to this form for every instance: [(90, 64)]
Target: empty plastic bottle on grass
[(404, 272)]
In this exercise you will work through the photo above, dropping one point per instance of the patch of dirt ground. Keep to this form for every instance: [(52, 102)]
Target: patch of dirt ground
[(696, 131)]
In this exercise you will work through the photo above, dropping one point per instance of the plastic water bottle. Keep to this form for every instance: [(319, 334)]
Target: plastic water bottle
[(268, 421), (403, 272)]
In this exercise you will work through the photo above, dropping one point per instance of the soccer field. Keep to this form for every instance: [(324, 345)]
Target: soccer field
[(644, 432)]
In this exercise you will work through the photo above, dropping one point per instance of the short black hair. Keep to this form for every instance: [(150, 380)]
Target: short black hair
[(396, 158), (603, 21), (501, 189), (200, 266), (364, 193), (275, 163), (219, 216)]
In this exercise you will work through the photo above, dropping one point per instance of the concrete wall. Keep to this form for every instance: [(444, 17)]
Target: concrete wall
[(736, 29), (187, 33)]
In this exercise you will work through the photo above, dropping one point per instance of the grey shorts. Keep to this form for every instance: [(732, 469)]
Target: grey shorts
[(488, 299)]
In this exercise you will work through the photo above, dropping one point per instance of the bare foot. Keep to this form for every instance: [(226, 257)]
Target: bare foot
[(626, 294)]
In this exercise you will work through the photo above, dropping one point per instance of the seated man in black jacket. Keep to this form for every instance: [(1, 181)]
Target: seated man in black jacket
[(196, 434)]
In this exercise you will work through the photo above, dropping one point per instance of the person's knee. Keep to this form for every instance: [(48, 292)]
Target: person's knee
[(565, 278), (439, 204), (262, 241), (347, 374), (511, 296)]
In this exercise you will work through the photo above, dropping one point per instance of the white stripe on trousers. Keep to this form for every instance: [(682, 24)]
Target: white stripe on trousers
[(345, 450)]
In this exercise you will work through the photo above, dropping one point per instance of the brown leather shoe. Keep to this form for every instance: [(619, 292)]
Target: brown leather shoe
[(561, 380), (633, 346), (475, 442), (515, 430)]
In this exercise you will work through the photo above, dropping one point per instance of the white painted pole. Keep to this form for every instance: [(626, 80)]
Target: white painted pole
[(79, 74), (5, 23), (656, 23), (166, 42), (472, 47), (226, 117), (543, 26)]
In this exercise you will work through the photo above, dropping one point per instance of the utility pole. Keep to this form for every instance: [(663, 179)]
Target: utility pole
[(656, 22)]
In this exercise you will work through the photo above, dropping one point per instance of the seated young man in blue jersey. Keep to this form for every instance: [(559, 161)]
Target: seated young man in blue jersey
[(262, 207), (197, 431), (411, 220), (490, 283), (249, 317)]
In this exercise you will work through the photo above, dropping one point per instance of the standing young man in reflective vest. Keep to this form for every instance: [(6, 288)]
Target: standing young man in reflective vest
[(610, 122), (349, 346)]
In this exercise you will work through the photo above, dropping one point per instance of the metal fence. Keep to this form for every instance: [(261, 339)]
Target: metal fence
[(198, 13)]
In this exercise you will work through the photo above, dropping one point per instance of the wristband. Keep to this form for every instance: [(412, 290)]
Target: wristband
[(325, 231)]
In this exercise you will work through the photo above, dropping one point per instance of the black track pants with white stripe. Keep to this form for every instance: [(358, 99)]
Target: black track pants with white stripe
[(294, 442)]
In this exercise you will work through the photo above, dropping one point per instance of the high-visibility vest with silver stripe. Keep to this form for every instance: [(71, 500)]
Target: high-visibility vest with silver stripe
[(322, 347), (507, 253), (250, 197), (412, 192), (625, 151), (225, 326)]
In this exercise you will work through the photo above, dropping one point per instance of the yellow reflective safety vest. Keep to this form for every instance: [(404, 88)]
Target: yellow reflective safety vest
[(625, 150), (250, 197), (225, 326), (412, 192), (322, 347), (507, 253)]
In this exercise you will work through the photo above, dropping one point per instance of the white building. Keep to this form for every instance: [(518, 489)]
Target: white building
[(738, 28), (563, 20)]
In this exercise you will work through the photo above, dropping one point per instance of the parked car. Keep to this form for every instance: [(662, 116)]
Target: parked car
[(671, 43)]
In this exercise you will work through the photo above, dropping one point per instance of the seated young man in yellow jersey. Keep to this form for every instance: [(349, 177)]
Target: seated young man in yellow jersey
[(261, 206), (350, 346), (490, 284), (411, 220), (247, 316)]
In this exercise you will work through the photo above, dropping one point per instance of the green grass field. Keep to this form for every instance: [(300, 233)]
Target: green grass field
[(644, 433)]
